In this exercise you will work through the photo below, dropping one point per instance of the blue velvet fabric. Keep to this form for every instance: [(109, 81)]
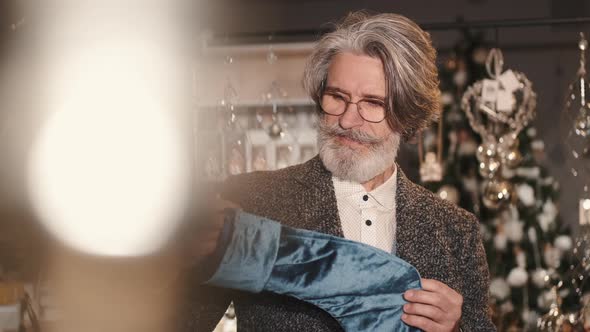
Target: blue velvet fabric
[(360, 286)]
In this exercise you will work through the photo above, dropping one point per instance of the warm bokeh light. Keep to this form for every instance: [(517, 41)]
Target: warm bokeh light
[(109, 170)]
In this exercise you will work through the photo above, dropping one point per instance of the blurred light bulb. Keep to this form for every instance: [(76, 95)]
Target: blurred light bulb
[(108, 172)]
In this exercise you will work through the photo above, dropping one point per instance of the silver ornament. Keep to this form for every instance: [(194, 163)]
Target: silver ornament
[(275, 130), (489, 167), (508, 151), (582, 124), (497, 194), (485, 150), (512, 158)]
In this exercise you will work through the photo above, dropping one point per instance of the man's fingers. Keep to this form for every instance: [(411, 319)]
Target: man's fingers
[(425, 297), (425, 310), (438, 287), (433, 285)]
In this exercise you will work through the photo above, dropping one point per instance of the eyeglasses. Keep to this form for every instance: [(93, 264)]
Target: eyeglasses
[(371, 110)]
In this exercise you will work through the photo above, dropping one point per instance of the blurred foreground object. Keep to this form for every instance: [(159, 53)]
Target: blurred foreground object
[(109, 169)]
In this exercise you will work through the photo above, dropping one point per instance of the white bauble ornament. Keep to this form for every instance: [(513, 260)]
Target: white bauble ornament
[(485, 232), (563, 243), (531, 132), (546, 218), (499, 289), (526, 194), (552, 256), (532, 234), (500, 241), (514, 230), (517, 277), (507, 307)]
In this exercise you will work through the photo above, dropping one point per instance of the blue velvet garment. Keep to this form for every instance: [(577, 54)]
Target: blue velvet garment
[(359, 285)]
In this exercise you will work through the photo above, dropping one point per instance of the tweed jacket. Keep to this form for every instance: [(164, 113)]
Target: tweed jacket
[(441, 240)]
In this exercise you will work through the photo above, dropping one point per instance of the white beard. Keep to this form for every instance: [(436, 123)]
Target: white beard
[(351, 164)]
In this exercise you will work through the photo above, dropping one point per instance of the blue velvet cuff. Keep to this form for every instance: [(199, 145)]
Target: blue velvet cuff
[(360, 286), (211, 263), (250, 255)]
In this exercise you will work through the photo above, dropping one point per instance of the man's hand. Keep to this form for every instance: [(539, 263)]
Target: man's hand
[(210, 221), (436, 307)]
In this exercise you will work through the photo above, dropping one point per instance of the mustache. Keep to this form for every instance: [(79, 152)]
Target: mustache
[(333, 131)]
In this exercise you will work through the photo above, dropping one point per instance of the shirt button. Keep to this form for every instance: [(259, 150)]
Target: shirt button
[(365, 198), (368, 222)]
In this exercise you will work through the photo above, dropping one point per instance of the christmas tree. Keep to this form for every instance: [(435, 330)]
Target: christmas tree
[(527, 246)]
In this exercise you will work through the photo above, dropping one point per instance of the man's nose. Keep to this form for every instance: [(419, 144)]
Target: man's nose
[(351, 117)]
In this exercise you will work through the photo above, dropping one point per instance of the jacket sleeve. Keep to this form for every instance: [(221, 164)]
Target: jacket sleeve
[(201, 306), (201, 309), (476, 314)]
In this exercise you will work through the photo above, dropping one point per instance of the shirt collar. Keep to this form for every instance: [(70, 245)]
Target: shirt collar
[(383, 196), (385, 193)]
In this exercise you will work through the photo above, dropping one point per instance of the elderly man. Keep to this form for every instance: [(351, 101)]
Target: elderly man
[(374, 81)]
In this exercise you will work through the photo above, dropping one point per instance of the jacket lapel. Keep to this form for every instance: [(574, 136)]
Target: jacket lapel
[(317, 207), (418, 230), (406, 222)]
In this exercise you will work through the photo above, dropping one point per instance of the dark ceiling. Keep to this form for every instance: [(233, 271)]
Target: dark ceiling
[(263, 17)]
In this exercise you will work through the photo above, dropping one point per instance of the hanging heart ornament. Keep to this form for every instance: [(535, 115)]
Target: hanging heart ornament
[(498, 108)]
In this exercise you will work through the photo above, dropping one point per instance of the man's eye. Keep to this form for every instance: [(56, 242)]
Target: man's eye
[(374, 103), (338, 97)]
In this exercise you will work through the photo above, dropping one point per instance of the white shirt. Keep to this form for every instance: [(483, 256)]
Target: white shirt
[(368, 217)]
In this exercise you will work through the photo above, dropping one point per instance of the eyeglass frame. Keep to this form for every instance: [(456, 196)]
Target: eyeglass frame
[(349, 101)]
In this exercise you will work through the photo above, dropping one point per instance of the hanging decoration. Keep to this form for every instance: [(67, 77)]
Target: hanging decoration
[(575, 132), (581, 251), (431, 164), (275, 92), (273, 95), (234, 147), (554, 320), (498, 109), (575, 125)]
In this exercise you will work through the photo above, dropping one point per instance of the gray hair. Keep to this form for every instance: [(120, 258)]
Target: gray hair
[(408, 58)]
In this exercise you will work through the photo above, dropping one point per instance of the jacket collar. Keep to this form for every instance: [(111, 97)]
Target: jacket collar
[(418, 228), (313, 173)]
